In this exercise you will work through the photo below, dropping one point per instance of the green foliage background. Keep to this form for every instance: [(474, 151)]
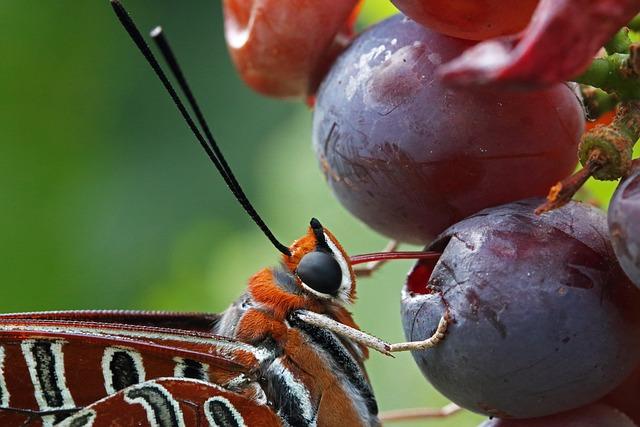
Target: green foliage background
[(106, 202)]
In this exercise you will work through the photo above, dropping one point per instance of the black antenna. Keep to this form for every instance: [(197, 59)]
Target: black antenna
[(211, 148)]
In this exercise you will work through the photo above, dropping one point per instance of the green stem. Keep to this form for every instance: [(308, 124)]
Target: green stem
[(597, 102), (619, 43), (634, 25), (613, 74)]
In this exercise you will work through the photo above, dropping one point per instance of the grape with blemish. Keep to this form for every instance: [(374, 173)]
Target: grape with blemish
[(543, 318)]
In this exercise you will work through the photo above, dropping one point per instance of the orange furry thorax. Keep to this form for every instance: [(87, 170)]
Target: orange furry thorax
[(265, 291)]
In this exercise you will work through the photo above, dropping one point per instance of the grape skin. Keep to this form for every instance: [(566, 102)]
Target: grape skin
[(625, 396), (469, 19), (409, 156), (624, 225), (590, 416), (284, 48), (544, 320)]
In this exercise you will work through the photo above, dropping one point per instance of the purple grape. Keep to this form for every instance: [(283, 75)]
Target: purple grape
[(410, 156), (624, 225), (625, 396), (589, 416), (544, 319)]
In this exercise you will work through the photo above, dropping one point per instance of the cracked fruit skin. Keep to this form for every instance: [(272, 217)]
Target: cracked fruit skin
[(410, 157), (624, 225), (544, 319), (597, 415), (469, 19)]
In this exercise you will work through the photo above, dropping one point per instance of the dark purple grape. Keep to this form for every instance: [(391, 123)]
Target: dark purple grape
[(624, 225), (410, 157), (544, 319), (597, 415), (625, 397)]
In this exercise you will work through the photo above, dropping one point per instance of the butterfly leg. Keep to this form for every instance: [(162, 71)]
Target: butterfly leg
[(432, 341), (373, 266), (369, 340)]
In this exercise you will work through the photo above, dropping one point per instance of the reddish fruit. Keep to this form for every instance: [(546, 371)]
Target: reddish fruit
[(589, 416), (624, 225), (559, 43), (625, 396), (283, 49), (410, 157), (469, 19)]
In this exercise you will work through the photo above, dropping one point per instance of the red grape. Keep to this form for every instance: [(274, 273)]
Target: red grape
[(283, 49), (543, 318), (625, 396), (624, 225), (409, 156), (469, 19), (539, 55), (589, 416)]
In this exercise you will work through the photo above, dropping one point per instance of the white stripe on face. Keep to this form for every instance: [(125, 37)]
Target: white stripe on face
[(346, 284)]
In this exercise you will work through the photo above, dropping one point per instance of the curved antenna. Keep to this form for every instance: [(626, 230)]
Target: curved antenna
[(210, 146)]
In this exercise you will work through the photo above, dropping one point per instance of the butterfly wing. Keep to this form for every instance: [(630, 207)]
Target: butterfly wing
[(51, 366), (174, 402), (195, 322)]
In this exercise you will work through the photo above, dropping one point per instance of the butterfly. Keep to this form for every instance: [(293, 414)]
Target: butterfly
[(287, 352)]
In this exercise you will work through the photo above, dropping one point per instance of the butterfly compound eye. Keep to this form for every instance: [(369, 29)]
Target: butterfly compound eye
[(321, 272)]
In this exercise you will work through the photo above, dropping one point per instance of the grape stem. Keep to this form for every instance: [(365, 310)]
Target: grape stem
[(597, 102), (605, 152), (617, 72), (562, 193)]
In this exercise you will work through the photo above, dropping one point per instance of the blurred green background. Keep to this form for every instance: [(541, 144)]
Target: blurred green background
[(107, 202)]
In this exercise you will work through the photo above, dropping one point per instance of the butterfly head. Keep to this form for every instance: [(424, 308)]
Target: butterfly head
[(320, 265)]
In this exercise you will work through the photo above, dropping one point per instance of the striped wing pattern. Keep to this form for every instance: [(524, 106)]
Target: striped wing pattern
[(52, 365), (174, 402)]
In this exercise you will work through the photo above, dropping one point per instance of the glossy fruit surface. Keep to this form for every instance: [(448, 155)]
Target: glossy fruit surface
[(624, 225), (469, 19), (589, 416), (544, 319), (410, 157), (283, 49)]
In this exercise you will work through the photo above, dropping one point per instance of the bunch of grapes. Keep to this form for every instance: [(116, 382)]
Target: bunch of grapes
[(446, 128)]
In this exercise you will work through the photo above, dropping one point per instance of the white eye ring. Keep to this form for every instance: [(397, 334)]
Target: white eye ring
[(344, 291)]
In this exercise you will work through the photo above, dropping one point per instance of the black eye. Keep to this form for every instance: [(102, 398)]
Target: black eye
[(321, 272)]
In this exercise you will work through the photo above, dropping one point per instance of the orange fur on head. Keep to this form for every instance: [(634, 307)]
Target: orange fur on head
[(300, 248), (264, 290)]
